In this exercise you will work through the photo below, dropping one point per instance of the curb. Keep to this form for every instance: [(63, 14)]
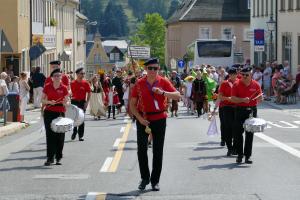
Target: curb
[(11, 128)]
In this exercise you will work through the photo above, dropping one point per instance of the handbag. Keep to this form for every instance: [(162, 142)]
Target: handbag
[(213, 128)]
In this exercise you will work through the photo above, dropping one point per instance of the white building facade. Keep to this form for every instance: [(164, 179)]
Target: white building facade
[(289, 33), (261, 13)]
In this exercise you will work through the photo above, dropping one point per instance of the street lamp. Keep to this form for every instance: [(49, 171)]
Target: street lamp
[(271, 27)]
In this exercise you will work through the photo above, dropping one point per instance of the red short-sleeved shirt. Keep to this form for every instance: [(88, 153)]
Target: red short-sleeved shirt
[(80, 89), (143, 92), (64, 80), (225, 90), (57, 95), (240, 90)]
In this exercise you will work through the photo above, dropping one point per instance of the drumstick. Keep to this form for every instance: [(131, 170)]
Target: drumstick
[(253, 94), (257, 96)]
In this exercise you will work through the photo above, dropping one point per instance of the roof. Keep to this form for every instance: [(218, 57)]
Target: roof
[(121, 44), (81, 16), (211, 10), (89, 46), (109, 49)]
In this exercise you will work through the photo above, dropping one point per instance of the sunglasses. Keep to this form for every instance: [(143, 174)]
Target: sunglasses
[(152, 68), (245, 75), (57, 75), (82, 73)]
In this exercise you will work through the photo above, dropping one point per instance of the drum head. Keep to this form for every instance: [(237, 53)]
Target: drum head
[(72, 112)]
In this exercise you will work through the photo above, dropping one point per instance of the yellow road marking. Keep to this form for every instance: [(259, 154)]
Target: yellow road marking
[(101, 196), (115, 163)]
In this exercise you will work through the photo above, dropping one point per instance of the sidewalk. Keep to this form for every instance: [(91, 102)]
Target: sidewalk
[(293, 109), (13, 127)]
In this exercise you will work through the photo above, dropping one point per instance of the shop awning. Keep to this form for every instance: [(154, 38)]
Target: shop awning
[(36, 51)]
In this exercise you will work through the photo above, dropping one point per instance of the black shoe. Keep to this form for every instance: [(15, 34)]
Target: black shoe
[(239, 159), (143, 184), (155, 187), (47, 163), (58, 162), (229, 153), (248, 161), (81, 139), (222, 143), (73, 136), (114, 117)]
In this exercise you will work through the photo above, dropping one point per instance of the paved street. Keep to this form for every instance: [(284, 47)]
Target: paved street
[(105, 165)]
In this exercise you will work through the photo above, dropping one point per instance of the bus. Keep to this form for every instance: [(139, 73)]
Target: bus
[(211, 52)]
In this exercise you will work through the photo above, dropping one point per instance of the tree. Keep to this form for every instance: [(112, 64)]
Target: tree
[(152, 32), (173, 7), (115, 20)]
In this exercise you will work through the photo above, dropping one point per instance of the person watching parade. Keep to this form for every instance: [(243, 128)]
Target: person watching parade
[(247, 94), (148, 104)]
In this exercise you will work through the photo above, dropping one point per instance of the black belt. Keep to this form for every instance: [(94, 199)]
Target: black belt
[(78, 101), (246, 107), (153, 113), (58, 104)]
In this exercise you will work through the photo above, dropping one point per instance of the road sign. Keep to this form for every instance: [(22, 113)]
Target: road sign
[(173, 63), (139, 52), (259, 40), (180, 63)]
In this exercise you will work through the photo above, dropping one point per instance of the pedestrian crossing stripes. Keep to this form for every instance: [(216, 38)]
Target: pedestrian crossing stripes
[(284, 124)]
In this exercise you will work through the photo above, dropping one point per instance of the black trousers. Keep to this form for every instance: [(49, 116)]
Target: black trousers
[(80, 129), (199, 107), (222, 123), (158, 132), (241, 114), (54, 141), (228, 126), (111, 109)]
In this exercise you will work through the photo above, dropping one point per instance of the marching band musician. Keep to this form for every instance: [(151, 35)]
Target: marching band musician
[(226, 110), (55, 64), (247, 94), (148, 104), (81, 93), (55, 97)]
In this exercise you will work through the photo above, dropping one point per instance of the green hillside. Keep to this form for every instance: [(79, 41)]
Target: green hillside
[(137, 8)]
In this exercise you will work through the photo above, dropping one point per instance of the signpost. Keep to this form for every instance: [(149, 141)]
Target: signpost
[(181, 63), (259, 40), (139, 52)]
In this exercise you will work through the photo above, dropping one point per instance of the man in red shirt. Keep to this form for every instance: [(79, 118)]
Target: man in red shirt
[(148, 104), (81, 93), (56, 65), (226, 110), (247, 94)]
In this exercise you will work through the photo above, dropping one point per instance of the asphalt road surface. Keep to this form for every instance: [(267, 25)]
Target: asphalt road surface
[(195, 166)]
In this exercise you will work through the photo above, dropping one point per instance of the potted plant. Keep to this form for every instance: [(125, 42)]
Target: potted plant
[(53, 22)]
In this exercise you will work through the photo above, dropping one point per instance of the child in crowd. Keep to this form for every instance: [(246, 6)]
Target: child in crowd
[(112, 101)]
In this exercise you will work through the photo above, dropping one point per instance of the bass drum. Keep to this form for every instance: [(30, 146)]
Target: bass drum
[(76, 114)]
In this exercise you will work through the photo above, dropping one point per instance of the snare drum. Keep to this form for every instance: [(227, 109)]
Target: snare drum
[(76, 114), (255, 125), (62, 125)]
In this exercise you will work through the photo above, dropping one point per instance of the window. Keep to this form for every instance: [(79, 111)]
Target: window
[(97, 59), (287, 47), (298, 5), (253, 9), (282, 5), (204, 33), (298, 50), (227, 33), (114, 56), (272, 7), (290, 4), (214, 48), (262, 7), (267, 7), (257, 8)]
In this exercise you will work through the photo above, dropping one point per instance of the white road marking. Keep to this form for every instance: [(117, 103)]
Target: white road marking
[(122, 129), (106, 164), (39, 118), (33, 122), (117, 142), (289, 124), (281, 145), (297, 122), (62, 176), (125, 120), (91, 196)]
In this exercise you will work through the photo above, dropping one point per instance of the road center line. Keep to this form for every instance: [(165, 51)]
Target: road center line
[(281, 145), (106, 164), (95, 196), (118, 155)]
